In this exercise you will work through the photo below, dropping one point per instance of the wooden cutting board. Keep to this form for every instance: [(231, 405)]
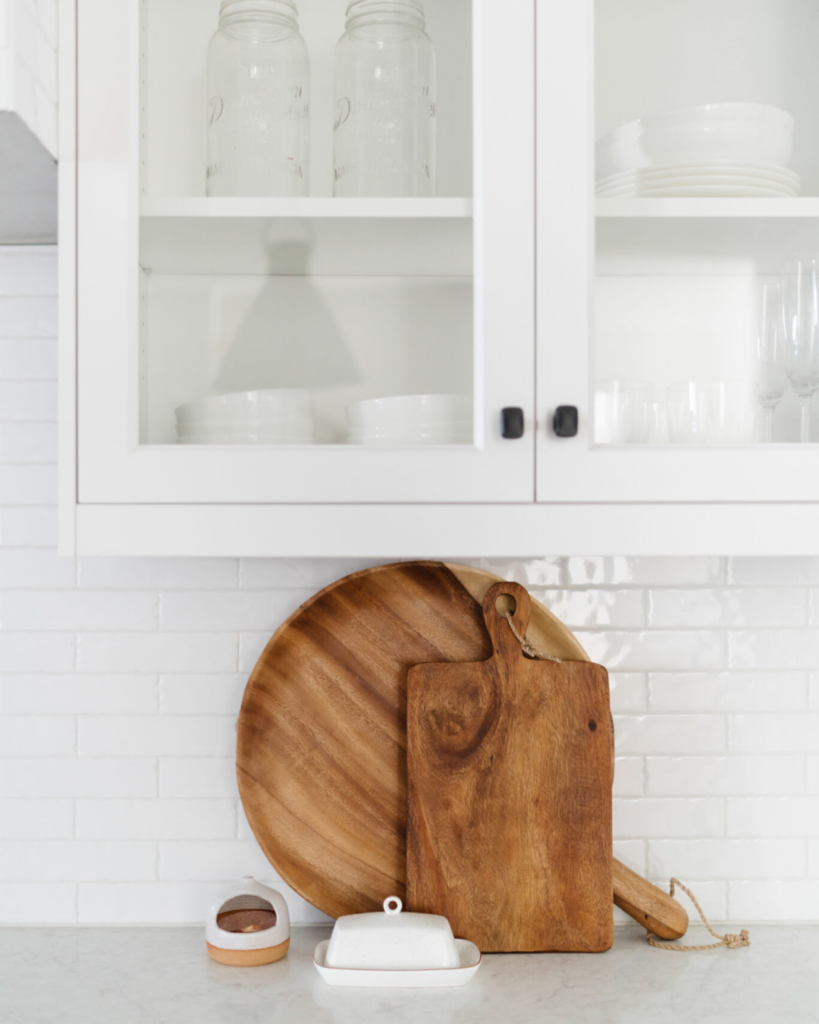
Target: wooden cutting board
[(509, 814), (321, 752)]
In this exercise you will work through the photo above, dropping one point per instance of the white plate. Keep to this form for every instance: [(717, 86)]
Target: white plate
[(704, 181), (468, 952), (770, 172), (704, 192)]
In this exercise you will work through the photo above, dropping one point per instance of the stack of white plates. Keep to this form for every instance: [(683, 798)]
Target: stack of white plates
[(283, 416), (411, 420), (723, 149)]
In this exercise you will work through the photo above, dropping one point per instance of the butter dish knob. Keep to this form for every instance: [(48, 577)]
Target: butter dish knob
[(393, 905)]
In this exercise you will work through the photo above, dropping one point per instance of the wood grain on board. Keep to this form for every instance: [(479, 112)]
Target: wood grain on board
[(509, 817)]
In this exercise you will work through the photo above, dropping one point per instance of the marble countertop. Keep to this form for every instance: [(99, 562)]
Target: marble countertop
[(164, 976)]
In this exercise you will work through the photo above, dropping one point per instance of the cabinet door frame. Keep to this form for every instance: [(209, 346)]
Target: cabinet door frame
[(113, 468), (577, 470)]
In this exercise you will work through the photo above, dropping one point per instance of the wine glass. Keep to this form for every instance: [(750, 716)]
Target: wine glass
[(771, 378), (800, 320)]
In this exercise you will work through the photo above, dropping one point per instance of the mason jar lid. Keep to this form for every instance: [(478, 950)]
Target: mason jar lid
[(362, 7)]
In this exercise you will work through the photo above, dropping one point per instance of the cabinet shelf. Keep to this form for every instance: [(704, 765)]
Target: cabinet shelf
[(320, 207), (807, 207)]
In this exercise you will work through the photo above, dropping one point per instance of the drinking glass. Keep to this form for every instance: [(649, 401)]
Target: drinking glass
[(623, 412), (799, 284), (771, 378), (687, 410)]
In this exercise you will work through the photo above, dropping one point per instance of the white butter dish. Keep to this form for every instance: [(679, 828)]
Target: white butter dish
[(395, 950)]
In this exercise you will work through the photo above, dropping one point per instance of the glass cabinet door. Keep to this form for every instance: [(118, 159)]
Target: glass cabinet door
[(232, 347), (671, 314)]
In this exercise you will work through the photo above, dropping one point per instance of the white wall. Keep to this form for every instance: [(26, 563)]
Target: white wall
[(28, 65), (120, 681)]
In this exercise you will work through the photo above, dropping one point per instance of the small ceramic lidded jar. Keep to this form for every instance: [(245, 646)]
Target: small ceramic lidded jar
[(258, 102), (385, 95)]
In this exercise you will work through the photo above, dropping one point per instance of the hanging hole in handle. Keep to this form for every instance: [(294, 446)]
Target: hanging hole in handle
[(505, 605), (393, 905)]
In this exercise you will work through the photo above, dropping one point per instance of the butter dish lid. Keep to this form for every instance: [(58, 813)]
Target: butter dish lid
[(392, 940)]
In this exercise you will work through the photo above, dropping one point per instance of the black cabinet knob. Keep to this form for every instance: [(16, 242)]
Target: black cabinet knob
[(512, 424), (566, 421)]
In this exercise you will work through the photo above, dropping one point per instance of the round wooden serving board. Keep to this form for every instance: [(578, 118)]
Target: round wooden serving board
[(322, 745)]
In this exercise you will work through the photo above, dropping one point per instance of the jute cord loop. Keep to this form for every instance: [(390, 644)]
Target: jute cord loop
[(729, 941)]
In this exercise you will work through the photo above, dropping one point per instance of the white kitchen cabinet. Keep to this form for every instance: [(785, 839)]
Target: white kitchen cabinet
[(500, 288)]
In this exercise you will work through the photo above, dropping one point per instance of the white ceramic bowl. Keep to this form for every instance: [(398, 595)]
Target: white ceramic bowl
[(436, 435), (244, 406), (245, 439), (276, 428), (718, 131), (410, 409)]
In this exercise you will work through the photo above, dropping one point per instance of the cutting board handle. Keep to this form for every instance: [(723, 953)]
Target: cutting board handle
[(503, 639)]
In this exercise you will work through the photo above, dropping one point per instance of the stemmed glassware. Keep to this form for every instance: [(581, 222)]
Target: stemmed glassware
[(771, 379), (799, 285)]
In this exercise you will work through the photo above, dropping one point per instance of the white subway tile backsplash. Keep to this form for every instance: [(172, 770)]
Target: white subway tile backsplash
[(78, 695), (74, 610), (707, 609), (628, 693), (727, 859), (656, 650), (726, 776), (145, 902), (813, 775), (298, 573), (629, 776), (26, 485), (770, 572), (25, 316), (727, 691), (773, 734), (673, 734), (632, 853), (251, 646), (773, 649), (814, 691), (35, 568), (202, 695), (37, 735), (29, 526), (149, 736), (38, 902), (23, 401), (27, 359), (208, 778), (228, 610), (156, 652), (74, 777), (157, 573), (813, 858), (588, 609), (644, 572), (36, 819), (26, 652), (529, 572), (774, 901), (156, 819), (28, 271), (78, 861), (28, 443), (211, 861), (774, 816), (653, 818)]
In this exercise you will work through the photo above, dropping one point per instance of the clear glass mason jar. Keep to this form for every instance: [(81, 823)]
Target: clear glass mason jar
[(385, 94), (259, 102)]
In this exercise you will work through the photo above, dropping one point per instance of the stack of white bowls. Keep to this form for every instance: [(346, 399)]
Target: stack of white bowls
[(721, 149), (282, 416), (411, 420)]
